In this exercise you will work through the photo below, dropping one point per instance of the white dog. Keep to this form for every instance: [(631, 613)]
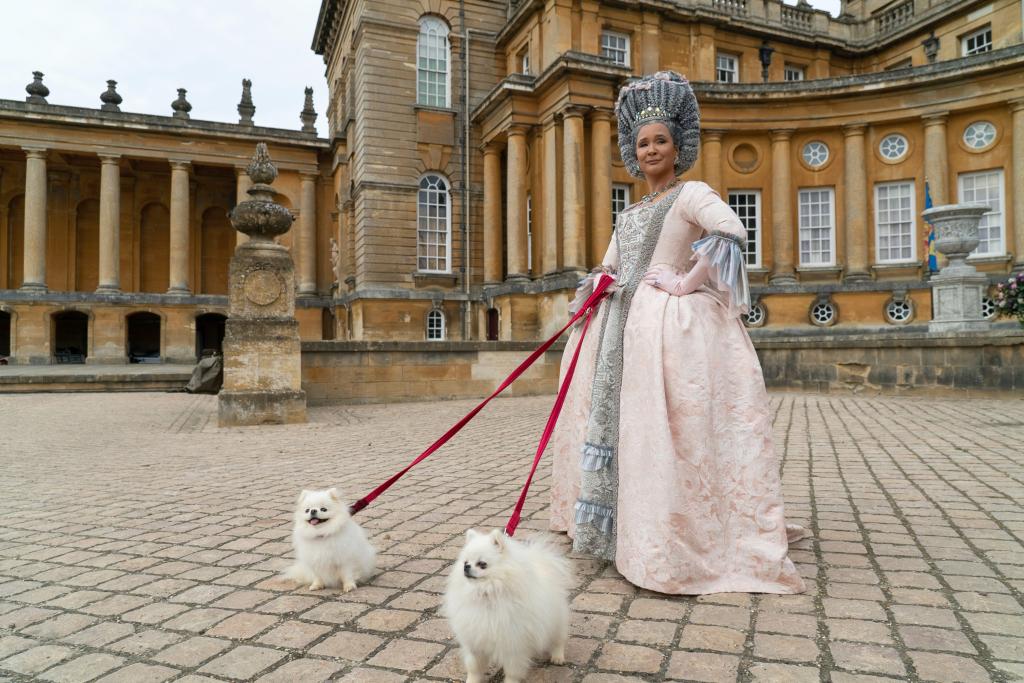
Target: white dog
[(508, 604), (330, 549)]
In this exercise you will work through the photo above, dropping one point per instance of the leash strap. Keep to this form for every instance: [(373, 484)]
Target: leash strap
[(599, 293)]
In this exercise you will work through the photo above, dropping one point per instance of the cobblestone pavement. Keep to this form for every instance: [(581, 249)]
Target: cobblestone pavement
[(139, 542)]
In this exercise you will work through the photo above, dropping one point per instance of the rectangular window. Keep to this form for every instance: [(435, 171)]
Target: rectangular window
[(524, 60), (976, 42), (986, 188), (615, 46), (727, 68), (747, 205), (620, 200), (817, 227), (434, 227), (792, 72), (894, 222)]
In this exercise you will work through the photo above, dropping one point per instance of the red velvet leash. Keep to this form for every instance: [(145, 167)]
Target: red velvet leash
[(591, 302)]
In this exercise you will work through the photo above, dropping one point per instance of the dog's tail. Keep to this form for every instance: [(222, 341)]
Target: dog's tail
[(298, 573), (549, 547)]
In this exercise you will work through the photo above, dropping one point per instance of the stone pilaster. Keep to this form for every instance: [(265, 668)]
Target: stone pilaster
[(34, 269), (1017, 166), (492, 213), (855, 203), (179, 238), (574, 210), (711, 151), (516, 203), (549, 254), (782, 210), (242, 185), (936, 161), (307, 235), (110, 223), (600, 184)]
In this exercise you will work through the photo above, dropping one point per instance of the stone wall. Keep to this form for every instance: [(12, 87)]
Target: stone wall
[(910, 361), (382, 372)]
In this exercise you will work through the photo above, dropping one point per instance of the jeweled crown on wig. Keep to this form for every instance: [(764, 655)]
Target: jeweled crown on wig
[(663, 96)]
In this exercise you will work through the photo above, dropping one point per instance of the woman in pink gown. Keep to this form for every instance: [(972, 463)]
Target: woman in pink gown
[(664, 461)]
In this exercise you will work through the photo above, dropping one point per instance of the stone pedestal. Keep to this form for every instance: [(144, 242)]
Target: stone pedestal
[(262, 355), (958, 288)]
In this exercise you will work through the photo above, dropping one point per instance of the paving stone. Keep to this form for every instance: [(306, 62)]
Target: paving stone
[(294, 634), (647, 632), (408, 655), (869, 658), (243, 662), (783, 673), (354, 647), (928, 638), (36, 659), (718, 638), (703, 666), (788, 648), (192, 652), (305, 670), (932, 666), (141, 673), (81, 669), (145, 642), (633, 658)]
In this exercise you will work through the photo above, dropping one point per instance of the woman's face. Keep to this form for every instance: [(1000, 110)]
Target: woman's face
[(655, 150)]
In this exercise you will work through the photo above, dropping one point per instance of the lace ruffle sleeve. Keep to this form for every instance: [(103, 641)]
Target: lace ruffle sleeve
[(727, 270)]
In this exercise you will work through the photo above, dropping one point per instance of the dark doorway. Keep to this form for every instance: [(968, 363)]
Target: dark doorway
[(143, 338), (70, 337), (5, 334), (210, 334), (327, 324), (492, 324)]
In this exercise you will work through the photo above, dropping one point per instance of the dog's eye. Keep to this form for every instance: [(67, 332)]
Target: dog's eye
[(323, 509), (482, 564), (307, 511)]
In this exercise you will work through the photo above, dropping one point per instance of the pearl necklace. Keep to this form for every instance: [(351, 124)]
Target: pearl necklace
[(648, 197)]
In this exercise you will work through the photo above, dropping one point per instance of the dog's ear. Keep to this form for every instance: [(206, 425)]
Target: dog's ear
[(333, 493), (302, 496), (471, 534), (499, 539)]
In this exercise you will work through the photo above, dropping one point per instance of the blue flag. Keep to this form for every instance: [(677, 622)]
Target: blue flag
[(933, 261)]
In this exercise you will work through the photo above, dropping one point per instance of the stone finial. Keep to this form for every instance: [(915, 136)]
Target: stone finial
[(260, 217), (261, 169), (308, 115), (246, 108), (181, 106), (37, 92), (110, 98)]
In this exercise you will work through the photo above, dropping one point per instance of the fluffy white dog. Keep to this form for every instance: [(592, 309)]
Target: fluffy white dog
[(508, 603), (330, 548)]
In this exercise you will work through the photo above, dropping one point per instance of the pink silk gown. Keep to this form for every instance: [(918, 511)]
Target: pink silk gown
[(699, 493)]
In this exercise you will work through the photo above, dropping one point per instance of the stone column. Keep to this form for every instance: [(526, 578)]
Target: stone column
[(492, 213), (1017, 182), (600, 184), (242, 184), (516, 203), (179, 242), (711, 151), (34, 269), (855, 203), (936, 163), (110, 223), (307, 235), (782, 211), (550, 182), (574, 210)]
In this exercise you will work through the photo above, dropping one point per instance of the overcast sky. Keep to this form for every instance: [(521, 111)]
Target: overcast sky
[(153, 47)]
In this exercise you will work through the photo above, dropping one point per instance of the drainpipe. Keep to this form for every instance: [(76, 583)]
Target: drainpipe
[(467, 305)]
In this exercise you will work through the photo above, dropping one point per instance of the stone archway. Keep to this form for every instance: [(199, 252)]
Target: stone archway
[(143, 336), (5, 334), (70, 330), (210, 333)]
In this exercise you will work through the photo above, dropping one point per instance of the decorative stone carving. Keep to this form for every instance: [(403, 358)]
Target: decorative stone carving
[(110, 98), (308, 114), (335, 262), (958, 288), (246, 108), (262, 355), (37, 92), (181, 106)]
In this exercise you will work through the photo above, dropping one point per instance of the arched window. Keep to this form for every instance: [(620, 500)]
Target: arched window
[(433, 226), (435, 325), (433, 64)]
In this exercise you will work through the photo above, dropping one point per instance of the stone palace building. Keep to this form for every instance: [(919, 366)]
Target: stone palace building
[(468, 171)]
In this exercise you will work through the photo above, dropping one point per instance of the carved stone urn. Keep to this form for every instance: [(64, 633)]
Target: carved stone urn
[(958, 288), (262, 354)]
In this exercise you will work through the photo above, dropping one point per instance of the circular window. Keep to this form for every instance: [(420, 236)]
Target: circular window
[(757, 315), (899, 312), (988, 308), (893, 146), (979, 135), (823, 313), (815, 154)]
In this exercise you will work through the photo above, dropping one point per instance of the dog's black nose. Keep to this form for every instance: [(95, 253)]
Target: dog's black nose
[(312, 514)]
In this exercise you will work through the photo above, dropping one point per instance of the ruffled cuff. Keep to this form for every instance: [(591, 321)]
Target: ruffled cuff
[(727, 268)]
